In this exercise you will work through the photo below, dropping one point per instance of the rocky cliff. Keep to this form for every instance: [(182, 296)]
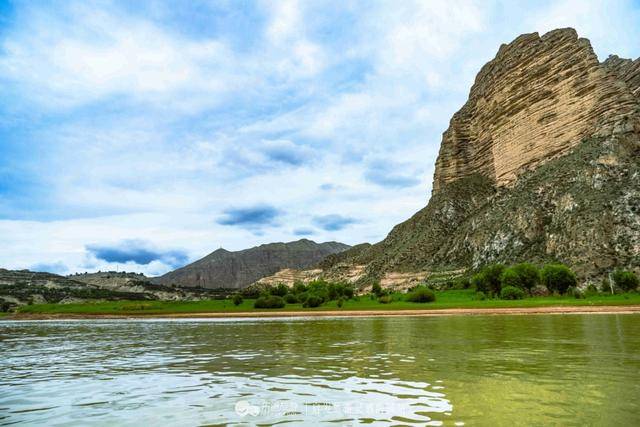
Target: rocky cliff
[(541, 163), (538, 98), (225, 269)]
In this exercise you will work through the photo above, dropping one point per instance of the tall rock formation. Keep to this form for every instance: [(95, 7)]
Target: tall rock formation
[(542, 163), (538, 98), (225, 269)]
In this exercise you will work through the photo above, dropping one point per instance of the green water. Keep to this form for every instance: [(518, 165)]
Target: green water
[(480, 370)]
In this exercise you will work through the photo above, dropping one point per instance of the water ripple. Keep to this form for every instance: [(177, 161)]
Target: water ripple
[(391, 371)]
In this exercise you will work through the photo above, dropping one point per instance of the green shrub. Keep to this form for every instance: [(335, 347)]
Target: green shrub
[(237, 299), (313, 301), (479, 283), (575, 292), (290, 299), (558, 277), (334, 290), (463, 283), (489, 279), (492, 275), (421, 294), (271, 301), (251, 292), (280, 290), (340, 302), (348, 292), (510, 278), (524, 276), (299, 287), (376, 289), (592, 288), (339, 290), (266, 293), (480, 296), (5, 306), (511, 292), (385, 299), (626, 280), (319, 288)]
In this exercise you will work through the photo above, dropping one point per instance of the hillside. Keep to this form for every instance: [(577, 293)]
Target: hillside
[(542, 163), (225, 269), (20, 287)]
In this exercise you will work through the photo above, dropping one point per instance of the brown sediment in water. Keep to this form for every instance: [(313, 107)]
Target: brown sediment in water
[(622, 309)]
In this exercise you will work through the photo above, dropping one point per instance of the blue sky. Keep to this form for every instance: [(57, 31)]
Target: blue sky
[(143, 135)]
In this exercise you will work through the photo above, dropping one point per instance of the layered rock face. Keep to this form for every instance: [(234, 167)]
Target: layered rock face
[(538, 98), (232, 270), (541, 164), (627, 71), (289, 277)]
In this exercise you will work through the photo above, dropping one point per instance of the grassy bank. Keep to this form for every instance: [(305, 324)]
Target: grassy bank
[(444, 300)]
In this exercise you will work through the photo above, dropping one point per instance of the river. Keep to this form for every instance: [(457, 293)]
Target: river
[(456, 370)]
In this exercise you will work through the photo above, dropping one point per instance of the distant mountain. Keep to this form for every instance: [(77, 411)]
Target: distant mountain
[(225, 269)]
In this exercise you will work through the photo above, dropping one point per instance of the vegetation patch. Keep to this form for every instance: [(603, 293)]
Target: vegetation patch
[(237, 299), (489, 279), (522, 276), (626, 280), (511, 293), (269, 301), (558, 278), (464, 299), (421, 294)]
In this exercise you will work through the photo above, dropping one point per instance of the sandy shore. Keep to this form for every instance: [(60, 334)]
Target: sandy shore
[(604, 309)]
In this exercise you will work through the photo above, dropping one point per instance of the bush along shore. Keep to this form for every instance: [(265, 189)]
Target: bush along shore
[(494, 286)]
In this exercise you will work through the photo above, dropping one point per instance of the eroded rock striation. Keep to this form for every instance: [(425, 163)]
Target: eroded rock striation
[(541, 164), (538, 98), (627, 71)]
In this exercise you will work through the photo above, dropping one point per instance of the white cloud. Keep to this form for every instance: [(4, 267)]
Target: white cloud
[(138, 130), (612, 26), (297, 55), (92, 54)]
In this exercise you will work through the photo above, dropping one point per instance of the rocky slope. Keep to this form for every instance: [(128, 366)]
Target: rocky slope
[(233, 270), (19, 287), (139, 283), (289, 276), (542, 163)]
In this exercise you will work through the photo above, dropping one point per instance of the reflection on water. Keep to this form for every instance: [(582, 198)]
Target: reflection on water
[(484, 370)]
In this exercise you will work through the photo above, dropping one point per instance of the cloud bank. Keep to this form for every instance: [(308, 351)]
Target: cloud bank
[(136, 122), (137, 252)]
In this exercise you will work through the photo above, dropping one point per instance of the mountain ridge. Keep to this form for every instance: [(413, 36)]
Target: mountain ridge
[(237, 269)]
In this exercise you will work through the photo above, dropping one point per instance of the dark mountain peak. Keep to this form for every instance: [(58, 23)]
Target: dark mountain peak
[(225, 269)]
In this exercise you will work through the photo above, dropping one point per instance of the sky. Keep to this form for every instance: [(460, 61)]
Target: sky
[(141, 136)]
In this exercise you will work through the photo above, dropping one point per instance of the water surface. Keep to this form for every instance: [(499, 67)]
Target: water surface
[(473, 370)]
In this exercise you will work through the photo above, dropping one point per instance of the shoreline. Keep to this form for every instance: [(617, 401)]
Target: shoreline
[(596, 309)]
